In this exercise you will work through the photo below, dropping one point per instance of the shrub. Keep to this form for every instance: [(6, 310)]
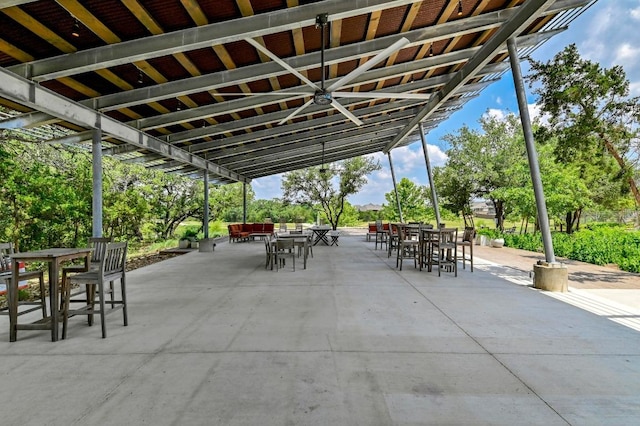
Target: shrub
[(531, 242), (602, 245)]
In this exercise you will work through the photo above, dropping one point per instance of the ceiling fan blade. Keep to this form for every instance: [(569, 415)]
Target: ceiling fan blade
[(346, 113), (369, 64), (276, 93), (280, 62), (381, 95), (290, 116)]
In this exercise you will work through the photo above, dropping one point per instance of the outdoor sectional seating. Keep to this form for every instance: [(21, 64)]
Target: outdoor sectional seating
[(246, 231)]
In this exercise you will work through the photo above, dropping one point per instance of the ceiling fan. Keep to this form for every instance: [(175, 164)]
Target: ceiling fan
[(322, 95)]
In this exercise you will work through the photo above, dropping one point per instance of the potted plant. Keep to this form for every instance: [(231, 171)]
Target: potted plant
[(490, 237), (188, 239)]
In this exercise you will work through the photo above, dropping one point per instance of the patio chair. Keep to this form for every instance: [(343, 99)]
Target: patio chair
[(285, 248), (268, 245), (6, 272), (446, 248), (112, 268), (371, 232), (426, 247), (392, 239), (307, 246), (381, 234), (304, 248), (407, 246), (98, 247), (468, 239)]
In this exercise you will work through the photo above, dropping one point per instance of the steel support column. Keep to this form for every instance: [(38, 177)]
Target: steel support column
[(244, 202), (434, 195), (395, 187), (96, 198), (205, 216), (534, 167)]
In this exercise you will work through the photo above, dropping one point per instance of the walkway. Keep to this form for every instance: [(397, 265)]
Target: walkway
[(217, 339)]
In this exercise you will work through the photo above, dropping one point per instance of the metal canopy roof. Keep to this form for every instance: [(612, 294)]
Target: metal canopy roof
[(187, 85)]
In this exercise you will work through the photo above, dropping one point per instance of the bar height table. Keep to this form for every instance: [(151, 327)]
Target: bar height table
[(54, 257)]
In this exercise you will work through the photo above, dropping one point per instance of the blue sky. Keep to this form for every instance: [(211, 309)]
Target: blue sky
[(606, 33)]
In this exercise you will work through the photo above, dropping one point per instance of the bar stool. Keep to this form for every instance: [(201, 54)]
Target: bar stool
[(6, 274)]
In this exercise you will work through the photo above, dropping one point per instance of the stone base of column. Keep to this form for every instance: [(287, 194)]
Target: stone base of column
[(551, 276), (207, 245)]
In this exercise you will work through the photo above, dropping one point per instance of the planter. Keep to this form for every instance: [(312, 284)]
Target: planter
[(498, 242), (194, 244), (484, 240), (184, 244)]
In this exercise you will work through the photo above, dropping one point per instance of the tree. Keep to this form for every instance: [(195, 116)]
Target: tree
[(565, 193), (481, 160), (330, 188), (454, 191), (590, 111), (413, 202)]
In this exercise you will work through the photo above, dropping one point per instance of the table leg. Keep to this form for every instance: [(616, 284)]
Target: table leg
[(53, 298), (12, 301)]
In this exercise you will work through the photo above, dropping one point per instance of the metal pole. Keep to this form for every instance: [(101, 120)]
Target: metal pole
[(96, 198), (205, 216), (244, 202), (534, 166), (395, 187), (434, 195)]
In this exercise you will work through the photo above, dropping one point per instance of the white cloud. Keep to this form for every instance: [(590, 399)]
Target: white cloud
[(268, 187), (499, 114), (608, 34), (437, 157)]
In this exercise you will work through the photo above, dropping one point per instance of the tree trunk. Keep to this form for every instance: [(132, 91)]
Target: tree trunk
[(612, 150), (498, 205), (569, 222)]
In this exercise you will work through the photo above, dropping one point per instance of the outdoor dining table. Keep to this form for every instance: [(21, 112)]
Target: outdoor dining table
[(320, 234), (54, 257), (298, 238)]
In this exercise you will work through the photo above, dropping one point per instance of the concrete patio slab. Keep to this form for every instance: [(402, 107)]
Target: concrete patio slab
[(217, 339)]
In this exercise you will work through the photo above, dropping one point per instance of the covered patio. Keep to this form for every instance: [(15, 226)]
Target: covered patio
[(215, 338)]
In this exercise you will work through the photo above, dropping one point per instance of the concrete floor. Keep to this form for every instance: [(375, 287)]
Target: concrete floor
[(214, 338)]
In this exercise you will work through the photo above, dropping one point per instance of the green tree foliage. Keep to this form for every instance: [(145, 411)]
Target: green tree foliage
[(225, 201), (43, 200), (590, 111), (330, 188), (413, 202), (563, 188), (479, 163), (46, 197)]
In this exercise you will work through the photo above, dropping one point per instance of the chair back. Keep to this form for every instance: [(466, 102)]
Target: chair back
[(6, 250), (285, 244), (115, 259), (448, 235), (469, 234), (98, 247), (379, 226), (404, 233)]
